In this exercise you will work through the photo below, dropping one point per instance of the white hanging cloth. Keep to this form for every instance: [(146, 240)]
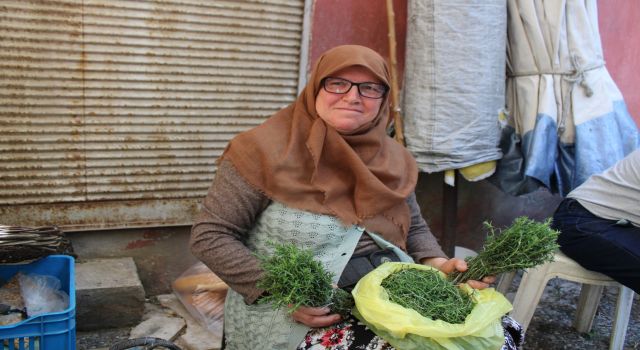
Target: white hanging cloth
[(566, 117)]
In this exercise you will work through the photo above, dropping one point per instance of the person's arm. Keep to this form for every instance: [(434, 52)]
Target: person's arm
[(421, 243), (423, 247), (229, 212)]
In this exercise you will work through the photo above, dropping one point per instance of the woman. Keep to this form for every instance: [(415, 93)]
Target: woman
[(321, 174)]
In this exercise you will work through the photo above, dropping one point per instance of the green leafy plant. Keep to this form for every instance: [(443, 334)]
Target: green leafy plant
[(524, 244), (341, 302), (294, 278), (428, 293)]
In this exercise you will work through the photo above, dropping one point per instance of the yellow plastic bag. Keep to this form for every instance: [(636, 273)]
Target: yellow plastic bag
[(406, 329)]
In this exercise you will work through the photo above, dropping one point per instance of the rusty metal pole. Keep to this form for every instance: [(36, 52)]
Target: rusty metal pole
[(395, 108)]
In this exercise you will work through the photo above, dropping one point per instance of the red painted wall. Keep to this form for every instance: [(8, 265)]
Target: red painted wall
[(620, 35), (361, 22)]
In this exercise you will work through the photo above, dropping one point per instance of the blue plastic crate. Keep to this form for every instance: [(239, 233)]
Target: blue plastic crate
[(50, 331)]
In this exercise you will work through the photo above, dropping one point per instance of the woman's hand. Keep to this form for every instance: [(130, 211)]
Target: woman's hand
[(454, 264), (315, 317)]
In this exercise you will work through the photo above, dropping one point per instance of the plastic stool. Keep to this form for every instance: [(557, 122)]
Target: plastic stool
[(535, 280)]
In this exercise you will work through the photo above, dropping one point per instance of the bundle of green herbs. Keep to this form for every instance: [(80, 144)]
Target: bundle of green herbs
[(294, 278), (428, 293), (524, 244)]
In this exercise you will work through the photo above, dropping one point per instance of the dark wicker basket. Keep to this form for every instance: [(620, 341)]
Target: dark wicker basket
[(19, 244)]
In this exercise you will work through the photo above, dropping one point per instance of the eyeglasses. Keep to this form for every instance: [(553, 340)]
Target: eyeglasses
[(343, 86)]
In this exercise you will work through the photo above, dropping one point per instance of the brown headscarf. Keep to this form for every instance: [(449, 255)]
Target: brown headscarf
[(294, 157)]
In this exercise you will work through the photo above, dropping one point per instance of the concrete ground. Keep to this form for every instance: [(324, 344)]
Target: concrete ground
[(550, 328), (164, 318)]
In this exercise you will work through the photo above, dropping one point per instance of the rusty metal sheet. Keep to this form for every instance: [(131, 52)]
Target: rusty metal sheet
[(114, 112), (97, 215)]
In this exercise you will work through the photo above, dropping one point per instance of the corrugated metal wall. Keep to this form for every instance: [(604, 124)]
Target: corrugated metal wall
[(112, 113)]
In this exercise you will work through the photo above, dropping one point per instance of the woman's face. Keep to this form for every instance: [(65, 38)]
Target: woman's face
[(347, 112)]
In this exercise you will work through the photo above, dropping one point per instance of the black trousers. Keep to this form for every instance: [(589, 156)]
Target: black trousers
[(607, 246)]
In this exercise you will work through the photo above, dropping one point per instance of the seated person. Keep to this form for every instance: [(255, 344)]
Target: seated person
[(599, 222), (322, 174)]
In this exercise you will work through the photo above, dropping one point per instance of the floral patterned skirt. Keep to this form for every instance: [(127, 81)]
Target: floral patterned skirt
[(350, 334)]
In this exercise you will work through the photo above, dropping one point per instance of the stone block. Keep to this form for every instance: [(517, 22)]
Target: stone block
[(109, 294)]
